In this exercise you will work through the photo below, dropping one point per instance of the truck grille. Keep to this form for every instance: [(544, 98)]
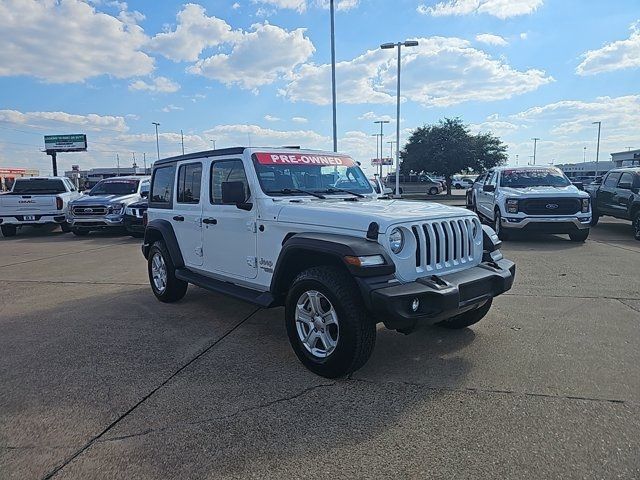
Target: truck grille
[(89, 210), (550, 206), (445, 244)]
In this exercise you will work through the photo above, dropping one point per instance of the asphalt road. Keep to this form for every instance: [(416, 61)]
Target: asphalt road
[(99, 380)]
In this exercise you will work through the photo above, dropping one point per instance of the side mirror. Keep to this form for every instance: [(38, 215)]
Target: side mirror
[(144, 194), (489, 188), (233, 194), (625, 185), (578, 185)]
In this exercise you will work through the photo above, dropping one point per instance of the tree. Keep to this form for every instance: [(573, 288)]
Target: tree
[(448, 147)]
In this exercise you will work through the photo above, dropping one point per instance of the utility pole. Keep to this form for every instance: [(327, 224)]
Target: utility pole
[(213, 142), (182, 138), (378, 155), (157, 138), (144, 159), (381, 122), (535, 144), (333, 75), (135, 165), (584, 155), (598, 147), (517, 156), (118, 164)]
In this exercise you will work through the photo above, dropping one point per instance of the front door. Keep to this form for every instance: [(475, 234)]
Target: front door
[(229, 233), (187, 213), (485, 199)]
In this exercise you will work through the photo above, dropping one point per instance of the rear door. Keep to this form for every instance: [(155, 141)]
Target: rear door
[(606, 192), (187, 212), (622, 197)]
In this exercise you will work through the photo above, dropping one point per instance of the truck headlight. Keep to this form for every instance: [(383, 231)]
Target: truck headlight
[(585, 205), (116, 208), (512, 205), (396, 240)]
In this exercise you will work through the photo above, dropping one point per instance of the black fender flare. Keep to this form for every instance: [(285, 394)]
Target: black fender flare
[(162, 229), (303, 245)]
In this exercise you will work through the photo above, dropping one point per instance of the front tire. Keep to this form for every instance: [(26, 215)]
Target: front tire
[(65, 227), (433, 191), (580, 236), (327, 323), (80, 232), (162, 275), (636, 225), (497, 226), (9, 230), (466, 319)]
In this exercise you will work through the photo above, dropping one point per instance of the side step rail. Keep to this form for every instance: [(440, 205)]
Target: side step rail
[(262, 299)]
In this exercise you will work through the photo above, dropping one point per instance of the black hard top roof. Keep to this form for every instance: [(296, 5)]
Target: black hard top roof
[(206, 153), (626, 169)]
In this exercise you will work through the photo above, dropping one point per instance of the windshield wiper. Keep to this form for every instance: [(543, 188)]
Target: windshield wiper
[(340, 190), (294, 191)]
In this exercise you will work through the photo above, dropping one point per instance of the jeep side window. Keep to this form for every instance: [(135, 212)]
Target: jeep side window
[(226, 171), (162, 186), (189, 179), (144, 188)]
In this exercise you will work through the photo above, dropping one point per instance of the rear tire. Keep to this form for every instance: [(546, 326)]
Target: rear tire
[(9, 230), (80, 232), (324, 307), (433, 191), (580, 236), (636, 225), (162, 275), (467, 319), (65, 227)]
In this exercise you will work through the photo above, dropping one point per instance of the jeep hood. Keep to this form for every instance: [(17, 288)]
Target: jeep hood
[(568, 191), (357, 215), (106, 199)]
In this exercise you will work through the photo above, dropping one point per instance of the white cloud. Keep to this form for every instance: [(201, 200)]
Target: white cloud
[(498, 8), (271, 118), (302, 5), (171, 108), (266, 137), (258, 58), (618, 55), (373, 117), (157, 85), (299, 120), (39, 39), (91, 121), (524, 36), (341, 5), (299, 5), (491, 39), (439, 72), (195, 32), (235, 6)]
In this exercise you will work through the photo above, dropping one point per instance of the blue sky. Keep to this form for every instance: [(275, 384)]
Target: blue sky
[(257, 72)]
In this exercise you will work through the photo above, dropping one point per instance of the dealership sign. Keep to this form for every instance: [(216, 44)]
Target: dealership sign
[(382, 161), (65, 143)]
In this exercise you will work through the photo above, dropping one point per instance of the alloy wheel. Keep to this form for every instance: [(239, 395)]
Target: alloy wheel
[(317, 324)]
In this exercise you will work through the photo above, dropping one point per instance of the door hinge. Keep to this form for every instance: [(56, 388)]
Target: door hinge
[(252, 262), (251, 226)]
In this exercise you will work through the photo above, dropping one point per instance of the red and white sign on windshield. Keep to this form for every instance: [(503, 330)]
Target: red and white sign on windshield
[(304, 159)]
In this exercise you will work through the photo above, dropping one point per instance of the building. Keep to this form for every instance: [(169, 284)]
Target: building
[(586, 170), (626, 159), (9, 175), (88, 178)]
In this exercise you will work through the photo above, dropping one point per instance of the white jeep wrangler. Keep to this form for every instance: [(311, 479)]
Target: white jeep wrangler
[(304, 230)]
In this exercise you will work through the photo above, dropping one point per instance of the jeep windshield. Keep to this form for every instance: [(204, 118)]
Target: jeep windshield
[(115, 187), (288, 174), (539, 177), (39, 186)]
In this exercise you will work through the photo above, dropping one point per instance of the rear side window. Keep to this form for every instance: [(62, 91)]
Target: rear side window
[(162, 187), (39, 186), (626, 177), (189, 179), (227, 171), (612, 179)]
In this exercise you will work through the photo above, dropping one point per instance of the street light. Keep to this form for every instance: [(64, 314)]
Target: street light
[(386, 46), (391, 143), (584, 155), (378, 155), (535, 144), (381, 122), (213, 142), (598, 147), (333, 76), (157, 140)]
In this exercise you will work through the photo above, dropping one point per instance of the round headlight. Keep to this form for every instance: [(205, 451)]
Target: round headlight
[(396, 240)]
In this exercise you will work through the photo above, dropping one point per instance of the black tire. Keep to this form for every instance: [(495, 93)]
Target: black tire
[(65, 227), (80, 232), (135, 234), (636, 225), (497, 226), (9, 230), (174, 289), (433, 191), (466, 319), (594, 218), (357, 332), (579, 236)]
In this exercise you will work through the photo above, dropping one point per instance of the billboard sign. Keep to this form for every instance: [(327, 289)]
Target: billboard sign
[(382, 161), (65, 143)]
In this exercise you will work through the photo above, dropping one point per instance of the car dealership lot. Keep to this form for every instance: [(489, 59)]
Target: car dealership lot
[(100, 380)]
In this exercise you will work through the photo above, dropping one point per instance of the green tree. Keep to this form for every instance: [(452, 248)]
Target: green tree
[(448, 147)]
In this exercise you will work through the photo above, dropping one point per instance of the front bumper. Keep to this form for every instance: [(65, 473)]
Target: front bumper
[(441, 297), (96, 222), (547, 224)]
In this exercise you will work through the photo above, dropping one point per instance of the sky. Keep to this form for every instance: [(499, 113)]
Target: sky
[(257, 73)]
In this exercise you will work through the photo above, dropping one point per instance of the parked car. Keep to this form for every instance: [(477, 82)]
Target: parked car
[(462, 183), (617, 195), (36, 201), (104, 206), (534, 199), (415, 184), (272, 227), (379, 188), (472, 193), (134, 218)]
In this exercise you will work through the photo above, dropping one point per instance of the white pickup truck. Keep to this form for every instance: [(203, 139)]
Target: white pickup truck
[(36, 201)]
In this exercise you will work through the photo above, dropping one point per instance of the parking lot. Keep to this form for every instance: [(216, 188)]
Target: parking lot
[(100, 380)]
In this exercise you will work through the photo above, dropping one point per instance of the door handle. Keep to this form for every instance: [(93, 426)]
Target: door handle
[(179, 218), (210, 221)]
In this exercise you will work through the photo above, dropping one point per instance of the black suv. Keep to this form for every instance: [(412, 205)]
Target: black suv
[(617, 195)]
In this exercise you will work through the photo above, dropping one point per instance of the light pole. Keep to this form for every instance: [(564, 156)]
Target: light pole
[(157, 139), (381, 122), (598, 147), (517, 156), (584, 154), (182, 140), (333, 76), (391, 143), (535, 145), (385, 46), (213, 142), (378, 155)]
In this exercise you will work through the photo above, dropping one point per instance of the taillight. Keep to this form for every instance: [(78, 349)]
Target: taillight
[(59, 203)]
